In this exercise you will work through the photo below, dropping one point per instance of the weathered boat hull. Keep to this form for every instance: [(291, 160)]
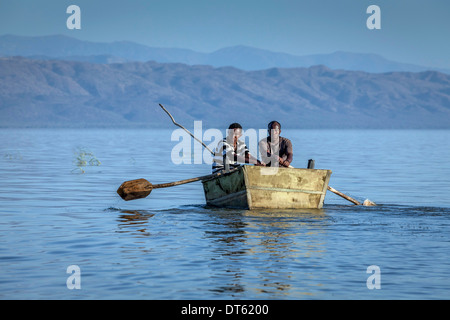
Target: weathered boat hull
[(253, 187)]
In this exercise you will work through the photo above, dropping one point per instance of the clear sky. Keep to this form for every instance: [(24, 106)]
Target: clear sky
[(412, 31)]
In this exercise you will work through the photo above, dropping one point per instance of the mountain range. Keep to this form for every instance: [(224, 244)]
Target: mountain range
[(60, 93), (242, 57)]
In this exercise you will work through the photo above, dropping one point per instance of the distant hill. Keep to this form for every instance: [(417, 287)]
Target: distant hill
[(55, 93), (241, 57)]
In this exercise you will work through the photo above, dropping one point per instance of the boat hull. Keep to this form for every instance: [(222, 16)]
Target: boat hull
[(253, 187)]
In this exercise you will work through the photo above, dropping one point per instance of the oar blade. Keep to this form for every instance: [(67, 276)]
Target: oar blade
[(134, 189), (368, 203)]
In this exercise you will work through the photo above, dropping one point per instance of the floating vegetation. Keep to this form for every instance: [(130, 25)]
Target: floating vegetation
[(84, 158), (13, 156)]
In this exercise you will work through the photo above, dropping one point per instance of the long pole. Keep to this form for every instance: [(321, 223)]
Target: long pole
[(179, 125)]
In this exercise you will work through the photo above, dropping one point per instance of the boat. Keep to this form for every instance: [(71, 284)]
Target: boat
[(254, 187)]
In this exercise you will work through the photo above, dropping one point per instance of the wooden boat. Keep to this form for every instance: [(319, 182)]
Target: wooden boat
[(252, 187)]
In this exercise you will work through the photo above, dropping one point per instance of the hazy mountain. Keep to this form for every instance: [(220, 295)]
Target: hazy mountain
[(78, 94), (64, 47), (247, 58), (242, 57)]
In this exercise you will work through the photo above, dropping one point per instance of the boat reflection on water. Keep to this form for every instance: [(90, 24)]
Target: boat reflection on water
[(287, 213), (257, 252), (268, 251)]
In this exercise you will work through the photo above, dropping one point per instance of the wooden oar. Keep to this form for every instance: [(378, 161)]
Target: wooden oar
[(141, 188), (179, 125), (344, 196)]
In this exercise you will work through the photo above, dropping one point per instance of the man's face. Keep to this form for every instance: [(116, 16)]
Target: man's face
[(275, 131), (234, 134), (237, 134)]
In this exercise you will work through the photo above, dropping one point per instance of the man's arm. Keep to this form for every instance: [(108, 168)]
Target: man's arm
[(289, 154)]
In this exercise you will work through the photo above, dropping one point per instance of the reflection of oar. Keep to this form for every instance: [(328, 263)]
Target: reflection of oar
[(141, 188)]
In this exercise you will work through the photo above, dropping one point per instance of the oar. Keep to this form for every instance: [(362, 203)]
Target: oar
[(344, 196), (179, 125), (141, 188)]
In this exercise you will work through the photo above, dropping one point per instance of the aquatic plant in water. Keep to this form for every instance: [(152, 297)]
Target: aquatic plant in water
[(84, 158), (12, 156)]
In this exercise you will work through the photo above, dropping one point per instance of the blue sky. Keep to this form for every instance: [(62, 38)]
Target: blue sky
[(412, 31)]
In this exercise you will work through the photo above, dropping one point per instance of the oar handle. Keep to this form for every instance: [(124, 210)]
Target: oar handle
[(179, 125), (176, 183)]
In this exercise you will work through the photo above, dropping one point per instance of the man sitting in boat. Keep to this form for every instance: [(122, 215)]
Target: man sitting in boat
[(231, 152), (276, 150)]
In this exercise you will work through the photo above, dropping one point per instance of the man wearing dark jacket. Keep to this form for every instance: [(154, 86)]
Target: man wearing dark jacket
[(276, 150)]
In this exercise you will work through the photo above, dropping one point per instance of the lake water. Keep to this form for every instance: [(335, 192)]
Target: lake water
[(171, 246)]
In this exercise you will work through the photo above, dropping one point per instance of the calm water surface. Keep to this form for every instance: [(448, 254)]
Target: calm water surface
[(171, 246)]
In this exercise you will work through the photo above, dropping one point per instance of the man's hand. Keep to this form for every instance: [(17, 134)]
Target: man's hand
[(283, 163)]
